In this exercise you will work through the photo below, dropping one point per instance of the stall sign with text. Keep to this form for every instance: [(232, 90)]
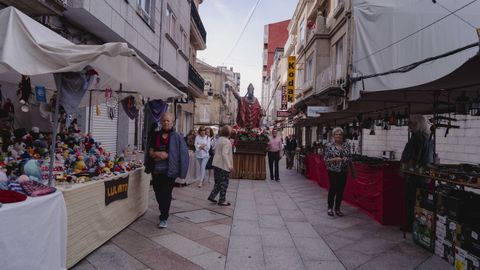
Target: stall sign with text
[(283, 113), (284, 98), (291, 79), (116, 189), (315, 111)]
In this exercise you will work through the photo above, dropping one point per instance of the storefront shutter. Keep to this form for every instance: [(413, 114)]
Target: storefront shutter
[(104, 129)]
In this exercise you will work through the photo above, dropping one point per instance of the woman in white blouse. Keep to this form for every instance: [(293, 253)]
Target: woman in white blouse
[(202, 146), (222, 166)]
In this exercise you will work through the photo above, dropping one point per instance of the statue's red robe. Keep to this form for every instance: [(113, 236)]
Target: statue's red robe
[(249, 113)]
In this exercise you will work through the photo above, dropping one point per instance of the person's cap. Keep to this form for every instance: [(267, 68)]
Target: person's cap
[(35, 130)]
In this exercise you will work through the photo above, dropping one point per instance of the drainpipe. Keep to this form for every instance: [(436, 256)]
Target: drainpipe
[(160, 58)]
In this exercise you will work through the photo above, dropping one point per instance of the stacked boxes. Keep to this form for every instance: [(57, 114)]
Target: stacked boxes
[(424, 221), (457, 239), (424, 228), (465, 260), (446, 238)]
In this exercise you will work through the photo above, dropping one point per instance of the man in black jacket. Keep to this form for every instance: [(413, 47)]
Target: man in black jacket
[(290, 148), (167, 158)]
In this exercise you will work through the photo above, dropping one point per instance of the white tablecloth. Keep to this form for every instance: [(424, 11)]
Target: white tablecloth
[(33, 233), (193, 173)]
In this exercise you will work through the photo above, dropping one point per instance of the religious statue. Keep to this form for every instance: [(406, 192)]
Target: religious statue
[(249, 110)]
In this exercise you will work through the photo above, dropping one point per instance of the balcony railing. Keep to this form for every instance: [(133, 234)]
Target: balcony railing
[(320, 28), (332, 76), (195, 77), (196, 18)]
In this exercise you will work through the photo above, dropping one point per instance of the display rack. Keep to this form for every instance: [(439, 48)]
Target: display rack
[(459, 183)]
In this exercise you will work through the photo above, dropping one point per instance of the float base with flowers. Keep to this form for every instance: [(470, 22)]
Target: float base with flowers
[(250, 148)]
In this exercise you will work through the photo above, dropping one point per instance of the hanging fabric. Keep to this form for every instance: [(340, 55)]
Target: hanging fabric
[(156, 108), (129, 106), (73, 85), (24, 92)]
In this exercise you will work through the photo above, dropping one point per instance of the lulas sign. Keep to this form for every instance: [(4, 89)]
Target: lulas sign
[(116, 189)]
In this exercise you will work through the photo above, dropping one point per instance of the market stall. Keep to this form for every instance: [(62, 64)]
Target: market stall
[(377, 188), (98, 210), (103, 193)]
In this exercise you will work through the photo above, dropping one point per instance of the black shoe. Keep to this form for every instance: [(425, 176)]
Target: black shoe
[(224, 204), (330, 212), (339, 213), (278, 180), (212, 200)]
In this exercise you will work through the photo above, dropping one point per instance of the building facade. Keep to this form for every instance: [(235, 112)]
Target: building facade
[(320, 39), (165, 34), (274, 37), (196, 84), (218, 106)]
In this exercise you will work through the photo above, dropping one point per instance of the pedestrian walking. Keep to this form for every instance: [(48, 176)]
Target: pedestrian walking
[(168, 159), (202, 146), (190, 139), (222, 166), (290, 149), (274, 149), (211, 152), (337, 159), (418, 152)]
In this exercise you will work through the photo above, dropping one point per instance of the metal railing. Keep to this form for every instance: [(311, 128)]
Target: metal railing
[(198, 21), (195, 77), (332, 76)]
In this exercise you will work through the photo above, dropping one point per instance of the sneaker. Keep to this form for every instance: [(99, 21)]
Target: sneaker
[(162, 224)]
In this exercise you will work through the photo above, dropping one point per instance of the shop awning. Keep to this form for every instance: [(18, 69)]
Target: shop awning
[(29, 48), (390, 34)]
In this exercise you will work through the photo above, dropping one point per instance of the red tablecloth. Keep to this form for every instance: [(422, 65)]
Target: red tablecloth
[(377, 189)]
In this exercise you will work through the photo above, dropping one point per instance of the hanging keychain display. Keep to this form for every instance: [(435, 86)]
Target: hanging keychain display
[(111, 102), (97, 107)]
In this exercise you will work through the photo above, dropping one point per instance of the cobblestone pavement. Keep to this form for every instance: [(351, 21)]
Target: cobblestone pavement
[(270, 225)]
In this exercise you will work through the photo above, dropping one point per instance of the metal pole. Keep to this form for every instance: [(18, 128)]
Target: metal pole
[(51, 180), (89, 111)]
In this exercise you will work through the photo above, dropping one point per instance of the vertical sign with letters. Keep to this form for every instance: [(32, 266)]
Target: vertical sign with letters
[(291, 79), (284, 98), (116, 189)]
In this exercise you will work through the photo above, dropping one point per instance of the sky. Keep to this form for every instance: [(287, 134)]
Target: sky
[(224, 20)]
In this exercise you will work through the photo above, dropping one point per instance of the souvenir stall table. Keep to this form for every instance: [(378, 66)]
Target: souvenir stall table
[(377, 188), (95, 210), (193, 173), (38, 223)]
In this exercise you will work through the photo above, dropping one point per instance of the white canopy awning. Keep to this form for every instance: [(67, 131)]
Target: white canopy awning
[(29, 48), (390, 34)]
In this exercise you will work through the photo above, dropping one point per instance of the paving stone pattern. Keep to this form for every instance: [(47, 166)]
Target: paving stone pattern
[(270, 225)]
